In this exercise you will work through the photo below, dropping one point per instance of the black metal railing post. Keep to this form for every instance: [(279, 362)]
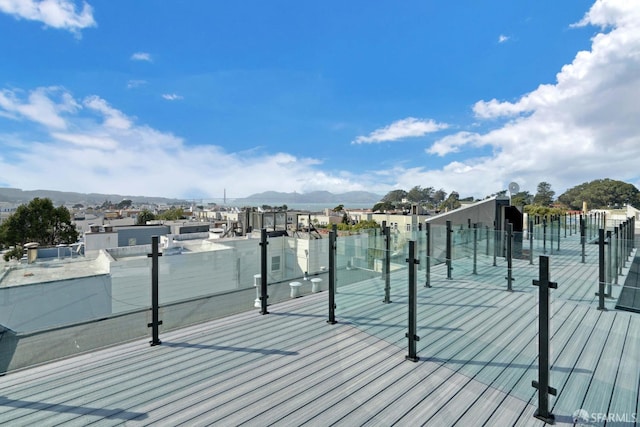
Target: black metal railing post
[(475, 248), (583, 237), (544, 389), (601, 270), (486, 227), (383, 228), (155, 298), (626, 238), (609, 260), (558, 249), (565, 224), (428, 257), (495, 243), (387, 265), (544, 235), (625, 244), (551, 233), (530, 232), (413, 304), (620, 249), (263, 271), (614, 266), (509, 257), (448, 250), (332, 275)]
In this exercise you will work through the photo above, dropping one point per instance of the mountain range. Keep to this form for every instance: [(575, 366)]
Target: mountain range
[(279, 198), (16, 195)]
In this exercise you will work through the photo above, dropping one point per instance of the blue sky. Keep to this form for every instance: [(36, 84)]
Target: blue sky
[(187, 99)]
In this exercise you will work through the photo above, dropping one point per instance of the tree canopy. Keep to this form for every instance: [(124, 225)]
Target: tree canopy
[(401, 199), (418, 194), (601, 193), (38, 221), (383, 207), (395, 196), (362, 225), (172, 214), (544, 195), (124, 204), (453, 201), (522, 198), (144, 216)]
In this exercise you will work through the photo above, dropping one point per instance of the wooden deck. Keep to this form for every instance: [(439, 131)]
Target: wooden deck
[(477, 348)]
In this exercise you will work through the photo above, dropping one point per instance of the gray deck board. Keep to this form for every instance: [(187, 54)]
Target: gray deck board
[(477, 349), (625, 391), (600, 390), (586, 365)]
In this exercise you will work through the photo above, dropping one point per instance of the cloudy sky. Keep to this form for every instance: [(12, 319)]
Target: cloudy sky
[(187, 99)]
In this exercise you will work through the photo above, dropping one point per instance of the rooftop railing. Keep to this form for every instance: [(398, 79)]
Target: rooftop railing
[(111, 301)]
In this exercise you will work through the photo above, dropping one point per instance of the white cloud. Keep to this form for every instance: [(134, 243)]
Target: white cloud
[(171, 96), (502, 38), (405, 128), (90, 146), (452, 143), (87, 140), (131, 84), (40, 107), (112, 117), (141, 56), (582, 127), (611, 13), (61, 14)]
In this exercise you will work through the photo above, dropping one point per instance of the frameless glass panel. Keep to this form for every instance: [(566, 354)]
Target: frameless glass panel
[(624, 271), (367, 274)]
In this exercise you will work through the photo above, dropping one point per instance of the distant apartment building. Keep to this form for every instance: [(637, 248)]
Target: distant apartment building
[(6, 210)]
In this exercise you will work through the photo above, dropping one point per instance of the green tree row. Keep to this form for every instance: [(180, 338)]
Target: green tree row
[(428, 197), (598, 194), (174, 213), (38, 221), (601, 194)]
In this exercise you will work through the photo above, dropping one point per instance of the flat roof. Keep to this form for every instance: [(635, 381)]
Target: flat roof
[(51, 269)]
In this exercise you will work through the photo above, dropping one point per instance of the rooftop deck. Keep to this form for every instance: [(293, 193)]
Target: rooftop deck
[(477, 349)]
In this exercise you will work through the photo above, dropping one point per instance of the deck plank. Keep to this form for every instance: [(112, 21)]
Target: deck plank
[(478, 351)]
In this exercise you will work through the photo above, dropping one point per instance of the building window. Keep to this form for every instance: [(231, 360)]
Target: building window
[(275, 263), (408, 227)]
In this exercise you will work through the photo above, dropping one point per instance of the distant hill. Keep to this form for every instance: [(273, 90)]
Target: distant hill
[(274, 198), (279, 198), (15, 195)]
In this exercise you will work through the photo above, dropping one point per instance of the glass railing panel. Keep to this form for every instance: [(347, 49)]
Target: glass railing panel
[(362, 277), (207, 281), (53, 308), (438, 244), (49, 293), (358, 257), (623, 272), (212, 279)]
